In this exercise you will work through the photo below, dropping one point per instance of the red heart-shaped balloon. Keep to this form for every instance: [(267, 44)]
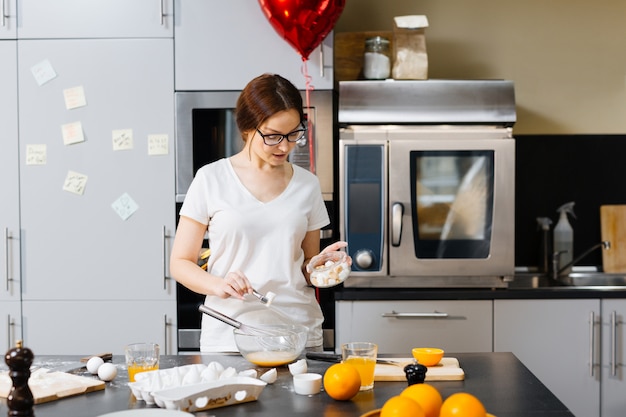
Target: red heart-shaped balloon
[(303, 23)]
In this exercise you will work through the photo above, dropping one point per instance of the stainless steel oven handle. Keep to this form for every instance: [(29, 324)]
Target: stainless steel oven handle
[(434, 314), (397, 210)]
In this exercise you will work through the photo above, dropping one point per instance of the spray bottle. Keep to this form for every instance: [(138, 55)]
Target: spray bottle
[(564, 234)]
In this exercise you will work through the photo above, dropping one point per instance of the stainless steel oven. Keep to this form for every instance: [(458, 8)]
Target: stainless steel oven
[(206, 131), (426, 182)]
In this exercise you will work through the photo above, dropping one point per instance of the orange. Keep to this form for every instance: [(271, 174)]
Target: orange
[(427, 396), (342, 381), (400, 406), (462, 404)]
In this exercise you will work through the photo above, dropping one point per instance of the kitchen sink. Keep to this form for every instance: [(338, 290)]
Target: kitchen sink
[(574, 280), (594, 279)]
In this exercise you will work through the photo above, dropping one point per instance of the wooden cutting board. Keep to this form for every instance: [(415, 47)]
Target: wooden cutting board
[(613, 229), (51, 386), (447, 370)]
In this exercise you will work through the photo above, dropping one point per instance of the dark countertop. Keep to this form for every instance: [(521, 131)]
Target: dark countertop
[(353, 294), (505, 386)]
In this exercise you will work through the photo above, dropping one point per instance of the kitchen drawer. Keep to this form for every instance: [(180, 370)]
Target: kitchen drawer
[(398, 326)]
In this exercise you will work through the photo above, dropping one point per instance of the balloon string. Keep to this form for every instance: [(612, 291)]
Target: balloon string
[(308, 88)]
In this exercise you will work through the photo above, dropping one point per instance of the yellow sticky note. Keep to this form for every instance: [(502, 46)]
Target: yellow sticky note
[(36, 154), (75, 183), (158, 144), (72, 133), (122, 139), (74, 97)]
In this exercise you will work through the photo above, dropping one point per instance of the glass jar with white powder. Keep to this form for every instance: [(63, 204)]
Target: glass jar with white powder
[(376, 60)]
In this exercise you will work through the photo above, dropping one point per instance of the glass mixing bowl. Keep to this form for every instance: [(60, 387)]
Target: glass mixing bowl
[(271, 345)]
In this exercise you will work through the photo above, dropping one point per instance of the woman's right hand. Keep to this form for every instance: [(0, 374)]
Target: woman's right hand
[(234, 284)]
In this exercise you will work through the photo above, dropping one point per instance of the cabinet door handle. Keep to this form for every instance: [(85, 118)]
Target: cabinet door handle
[(164, 237), (161, 14), (397, 210), (166, 334), (615, 321), (396, 315), (10, 324), (592, 340), (5, 15), (322, 60), (7, 264)]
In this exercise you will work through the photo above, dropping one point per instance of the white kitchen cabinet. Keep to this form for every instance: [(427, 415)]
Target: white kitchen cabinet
[(613, 402), (221, 45), (9, 185), (89, 327), (76, 249), (45, 19), (558, 340), (399, 326), (8, 19)]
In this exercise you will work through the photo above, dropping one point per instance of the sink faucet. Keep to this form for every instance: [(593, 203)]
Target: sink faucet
[(557, 270)]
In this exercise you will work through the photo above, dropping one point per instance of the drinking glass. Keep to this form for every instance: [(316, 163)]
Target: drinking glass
[(362, 355)]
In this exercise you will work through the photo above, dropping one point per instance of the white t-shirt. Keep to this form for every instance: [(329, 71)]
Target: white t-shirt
[(263, 240)]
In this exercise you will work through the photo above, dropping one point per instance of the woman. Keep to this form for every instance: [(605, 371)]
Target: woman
[(263, 216)]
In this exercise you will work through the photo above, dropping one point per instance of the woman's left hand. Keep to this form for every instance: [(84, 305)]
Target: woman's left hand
[(337, 246)]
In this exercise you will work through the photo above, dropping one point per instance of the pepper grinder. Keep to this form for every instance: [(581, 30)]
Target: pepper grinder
[(20, 399)]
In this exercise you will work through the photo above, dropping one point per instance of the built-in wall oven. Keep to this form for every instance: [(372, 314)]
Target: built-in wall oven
[(426, 182), (206, 131)]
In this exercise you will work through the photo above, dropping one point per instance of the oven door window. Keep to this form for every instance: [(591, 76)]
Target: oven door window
[(215, 136), (452, 199)]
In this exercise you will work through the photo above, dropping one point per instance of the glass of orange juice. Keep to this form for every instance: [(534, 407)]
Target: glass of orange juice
[(141, 357), (362, 355)]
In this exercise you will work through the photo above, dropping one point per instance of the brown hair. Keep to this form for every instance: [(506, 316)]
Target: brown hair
[(263, 97)]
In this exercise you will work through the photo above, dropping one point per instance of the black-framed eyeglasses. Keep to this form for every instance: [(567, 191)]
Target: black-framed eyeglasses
[(274, 139)]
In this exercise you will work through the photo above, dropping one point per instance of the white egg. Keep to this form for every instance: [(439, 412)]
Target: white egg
[(216, 366), (191, 377), (270, 376), (250, 373), (209, 375), (298, 367), (93, 364), (229, 372), (107, 372)]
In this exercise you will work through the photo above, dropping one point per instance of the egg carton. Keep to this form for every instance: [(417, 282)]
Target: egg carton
[(204, 396), (197, 387), (146, 383)]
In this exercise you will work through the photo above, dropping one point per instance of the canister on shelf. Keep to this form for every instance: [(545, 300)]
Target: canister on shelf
[(376, 59)]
